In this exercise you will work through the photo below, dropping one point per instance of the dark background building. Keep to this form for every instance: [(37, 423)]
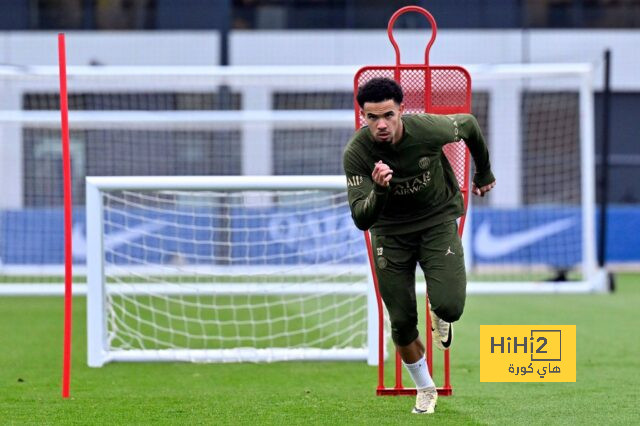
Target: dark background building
[(311, 14)]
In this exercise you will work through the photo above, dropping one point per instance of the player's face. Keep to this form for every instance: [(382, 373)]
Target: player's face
[(383, 119)]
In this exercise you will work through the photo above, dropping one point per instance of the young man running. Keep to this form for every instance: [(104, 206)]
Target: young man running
[(402, 188)]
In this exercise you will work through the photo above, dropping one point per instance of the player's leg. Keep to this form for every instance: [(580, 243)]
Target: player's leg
[(395, 260), (442, 261)]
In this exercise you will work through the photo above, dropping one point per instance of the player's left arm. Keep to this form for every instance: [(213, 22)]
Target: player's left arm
[(469, 130)]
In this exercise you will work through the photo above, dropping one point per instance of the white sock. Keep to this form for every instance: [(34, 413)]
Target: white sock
[(420, 374)]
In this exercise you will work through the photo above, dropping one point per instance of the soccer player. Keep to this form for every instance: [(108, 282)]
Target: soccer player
[(402, 188)]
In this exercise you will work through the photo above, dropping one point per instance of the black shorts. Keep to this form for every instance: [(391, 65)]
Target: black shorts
[(438, 251)]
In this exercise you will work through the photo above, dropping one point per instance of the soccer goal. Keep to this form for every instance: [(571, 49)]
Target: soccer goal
[(536, 232), (226, 269)]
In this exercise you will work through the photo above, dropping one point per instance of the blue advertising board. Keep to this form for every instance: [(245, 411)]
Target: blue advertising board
[(271, 236)]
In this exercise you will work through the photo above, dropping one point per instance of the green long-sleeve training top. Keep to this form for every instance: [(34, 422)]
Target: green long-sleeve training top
[(423, 191)]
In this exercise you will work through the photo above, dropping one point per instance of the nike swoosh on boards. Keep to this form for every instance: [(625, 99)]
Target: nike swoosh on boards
[(489, 245)]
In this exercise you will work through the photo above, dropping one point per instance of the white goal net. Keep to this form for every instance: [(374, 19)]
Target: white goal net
[(535, 232), (225, 269)]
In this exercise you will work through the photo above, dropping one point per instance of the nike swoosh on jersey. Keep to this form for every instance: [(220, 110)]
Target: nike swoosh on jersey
[(490, 246), (111, 240)]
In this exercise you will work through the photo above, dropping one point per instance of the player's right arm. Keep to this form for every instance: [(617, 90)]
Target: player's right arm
[(367, 192)]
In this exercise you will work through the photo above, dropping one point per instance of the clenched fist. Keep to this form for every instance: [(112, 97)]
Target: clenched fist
[(483, 189), (382, 174)]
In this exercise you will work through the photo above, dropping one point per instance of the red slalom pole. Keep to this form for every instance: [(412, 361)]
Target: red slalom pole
[(66, 169)]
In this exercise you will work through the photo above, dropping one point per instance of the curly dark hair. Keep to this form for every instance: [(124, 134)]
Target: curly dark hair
[(378, 90)]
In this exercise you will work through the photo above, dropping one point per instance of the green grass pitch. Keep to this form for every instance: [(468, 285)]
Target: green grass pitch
[(606, 391)]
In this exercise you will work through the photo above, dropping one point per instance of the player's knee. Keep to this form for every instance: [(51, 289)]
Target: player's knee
[(450, 312), (404, 331)]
